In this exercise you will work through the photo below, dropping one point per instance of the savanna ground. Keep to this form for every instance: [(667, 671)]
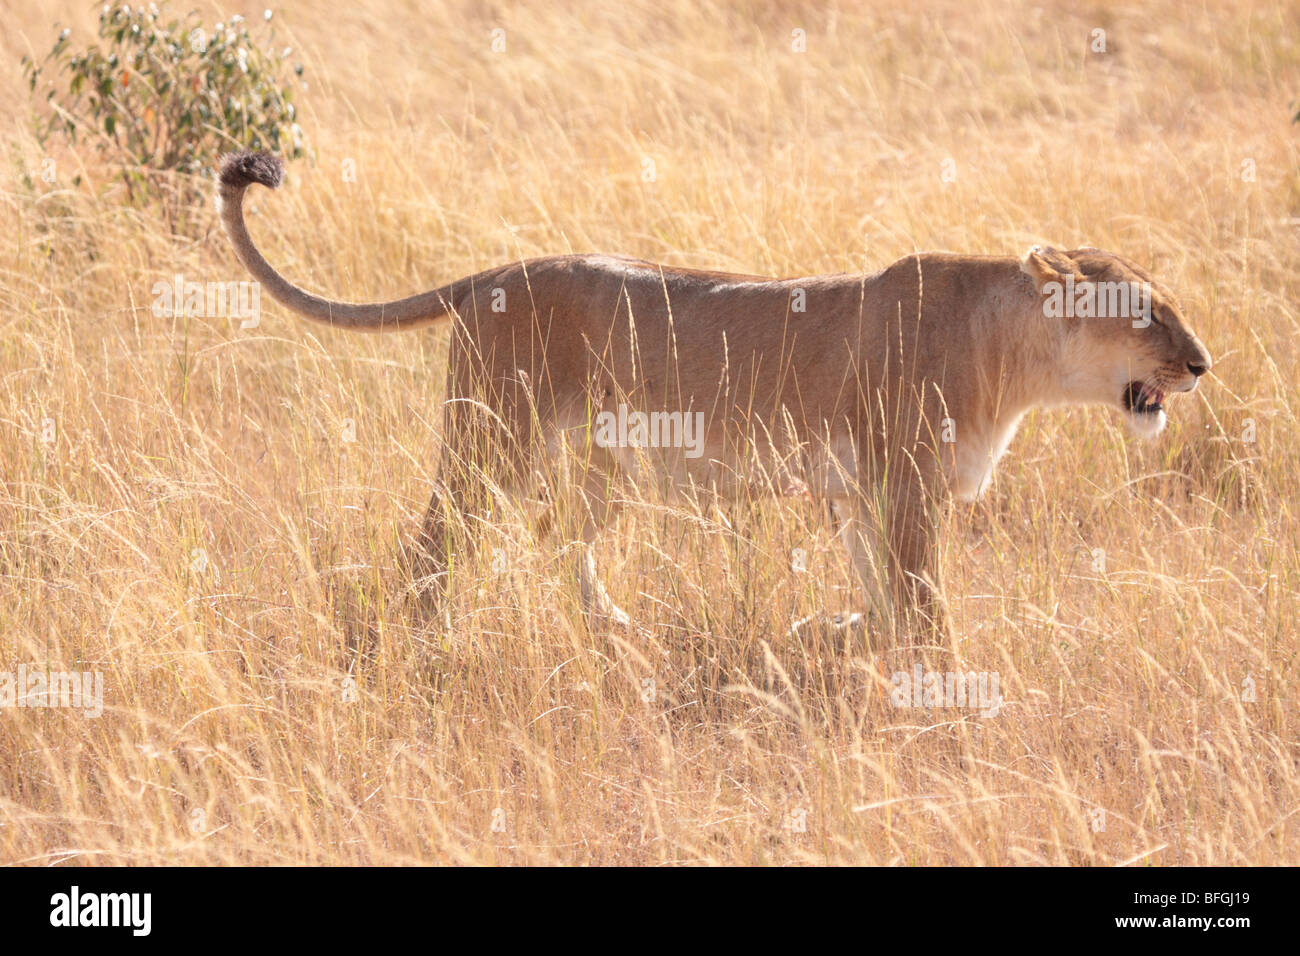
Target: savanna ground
[(212, 520)]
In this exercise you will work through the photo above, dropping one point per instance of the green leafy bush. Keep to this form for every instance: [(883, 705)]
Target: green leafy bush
[(162, 100)]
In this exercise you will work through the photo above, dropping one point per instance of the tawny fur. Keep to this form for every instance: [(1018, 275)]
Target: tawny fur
[(882, 393)]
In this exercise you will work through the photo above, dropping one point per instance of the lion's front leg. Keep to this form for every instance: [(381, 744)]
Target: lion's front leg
[(910, 510)]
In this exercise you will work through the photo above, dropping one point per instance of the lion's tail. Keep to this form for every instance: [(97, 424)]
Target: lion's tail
[(238, 171)]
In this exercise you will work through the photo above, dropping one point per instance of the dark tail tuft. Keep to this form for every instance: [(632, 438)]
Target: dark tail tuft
[(240, 169)]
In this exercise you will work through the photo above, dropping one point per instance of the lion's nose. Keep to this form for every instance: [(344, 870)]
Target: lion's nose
[(1197, 370)]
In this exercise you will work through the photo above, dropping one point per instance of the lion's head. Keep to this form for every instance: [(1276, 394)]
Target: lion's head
[(1126, 342)]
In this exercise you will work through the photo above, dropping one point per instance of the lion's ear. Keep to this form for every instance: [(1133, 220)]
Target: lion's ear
[(1044, 264)]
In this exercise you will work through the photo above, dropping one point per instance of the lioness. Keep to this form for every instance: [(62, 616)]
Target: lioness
[(879, 393)]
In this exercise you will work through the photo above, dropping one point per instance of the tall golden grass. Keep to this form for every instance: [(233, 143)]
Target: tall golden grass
[(279, 704)]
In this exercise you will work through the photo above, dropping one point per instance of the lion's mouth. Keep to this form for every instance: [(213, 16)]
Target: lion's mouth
[(1142, 398)]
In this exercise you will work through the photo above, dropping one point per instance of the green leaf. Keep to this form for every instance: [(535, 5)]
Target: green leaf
[(194, 103)]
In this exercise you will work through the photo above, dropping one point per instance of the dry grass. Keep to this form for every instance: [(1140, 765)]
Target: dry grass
[(228, 734)]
